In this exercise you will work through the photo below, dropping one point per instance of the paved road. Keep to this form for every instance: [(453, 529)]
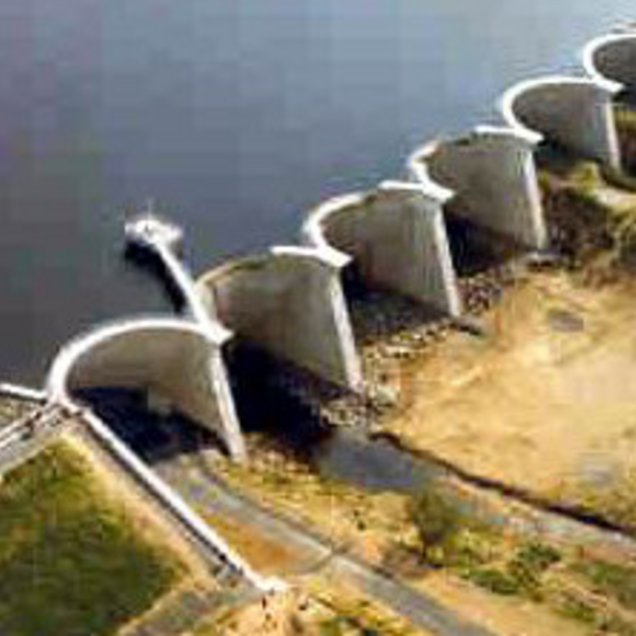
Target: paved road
[(228, 564), (205, 491)]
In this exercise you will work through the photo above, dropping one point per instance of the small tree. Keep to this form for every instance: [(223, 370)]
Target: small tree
[(438, 521)]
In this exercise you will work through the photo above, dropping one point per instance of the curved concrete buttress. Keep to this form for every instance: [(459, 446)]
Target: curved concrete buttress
[(397, 238), (612, 58), (176, 358), (290, 302), (573, 112), (163, 238), (493, 175)]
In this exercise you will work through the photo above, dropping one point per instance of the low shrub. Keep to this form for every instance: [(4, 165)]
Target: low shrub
[(438, 522), (611, 579)]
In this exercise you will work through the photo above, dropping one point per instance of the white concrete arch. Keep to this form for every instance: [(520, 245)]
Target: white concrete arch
[(290, 302), (492, 173), (397, 238), (612, 58), (574, 112), (179, 359)]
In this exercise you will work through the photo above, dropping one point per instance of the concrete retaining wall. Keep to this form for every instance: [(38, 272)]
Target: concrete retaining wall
[(493, 176), (198, 528), (290, 302), (576, 113), (396, 236), (612, 58), (174, 358), (21, 392)]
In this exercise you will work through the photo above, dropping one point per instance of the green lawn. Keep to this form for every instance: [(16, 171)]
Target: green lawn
[(70, 562)]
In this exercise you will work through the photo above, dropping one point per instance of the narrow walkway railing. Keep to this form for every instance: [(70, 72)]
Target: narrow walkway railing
[(20, 439)]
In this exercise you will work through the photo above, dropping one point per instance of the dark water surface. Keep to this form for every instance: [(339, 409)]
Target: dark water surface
[(235, 115)]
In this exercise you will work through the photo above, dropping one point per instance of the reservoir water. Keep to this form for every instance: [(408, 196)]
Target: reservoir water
[(236, 117)]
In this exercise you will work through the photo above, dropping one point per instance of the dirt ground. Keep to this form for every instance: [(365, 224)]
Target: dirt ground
[(379, 528), (267, 556), (503, 615), (309, 608), (546, 401)]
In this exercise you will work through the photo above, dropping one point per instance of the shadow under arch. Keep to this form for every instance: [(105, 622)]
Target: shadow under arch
[(573, 112), (492, 175), (289, 302), (175, 359)]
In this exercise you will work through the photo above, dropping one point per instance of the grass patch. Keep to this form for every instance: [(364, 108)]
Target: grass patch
[(589, 591), (70, 561), (478, 554), (538, 557), (494, 580), (597, 617), (519, 574), (358, 617), (573, 607), (582, 227), (612, 580)]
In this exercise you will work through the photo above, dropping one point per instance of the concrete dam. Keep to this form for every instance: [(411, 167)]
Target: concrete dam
[(290, 300)]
